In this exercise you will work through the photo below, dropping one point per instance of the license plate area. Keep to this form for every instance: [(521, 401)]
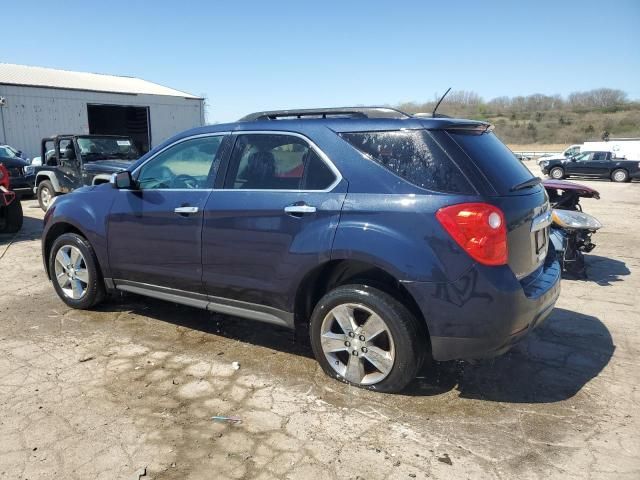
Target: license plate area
[(541, 239)]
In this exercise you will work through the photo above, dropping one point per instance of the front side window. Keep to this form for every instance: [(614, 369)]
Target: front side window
[(276, 162), (583, 157), (186, 165), (412, 155)]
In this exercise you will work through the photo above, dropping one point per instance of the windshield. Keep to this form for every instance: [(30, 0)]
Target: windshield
[(7, 152), (102, 148)]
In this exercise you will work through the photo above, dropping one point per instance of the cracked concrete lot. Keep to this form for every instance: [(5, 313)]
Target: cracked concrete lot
[(128, 390)]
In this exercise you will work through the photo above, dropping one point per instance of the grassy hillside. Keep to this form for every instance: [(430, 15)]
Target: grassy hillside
[(539, 119)]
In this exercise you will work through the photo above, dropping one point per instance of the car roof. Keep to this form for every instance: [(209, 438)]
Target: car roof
[(343, 125)]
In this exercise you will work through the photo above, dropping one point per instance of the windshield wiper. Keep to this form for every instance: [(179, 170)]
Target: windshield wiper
[(532, 182)]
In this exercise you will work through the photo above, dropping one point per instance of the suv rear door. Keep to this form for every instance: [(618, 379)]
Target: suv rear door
[(273, 219)]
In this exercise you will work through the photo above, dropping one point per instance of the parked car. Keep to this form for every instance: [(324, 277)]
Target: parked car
[(568, 152), (390, 240), (11, 216), (571, 228), (73, 161), (21, 174), (592, 164)]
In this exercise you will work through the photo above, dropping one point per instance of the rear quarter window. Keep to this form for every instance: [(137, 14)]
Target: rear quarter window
[(412, 155), (493, 158)]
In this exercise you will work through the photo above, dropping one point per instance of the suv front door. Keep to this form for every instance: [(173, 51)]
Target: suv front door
[(155, 230), (273, 220)]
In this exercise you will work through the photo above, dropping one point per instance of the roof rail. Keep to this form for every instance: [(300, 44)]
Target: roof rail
[(349, 112)]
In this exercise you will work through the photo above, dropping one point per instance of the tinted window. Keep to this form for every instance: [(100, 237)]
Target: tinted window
[(412, 155), (276, 162), (599, 156), (495, 160), (186, 164)]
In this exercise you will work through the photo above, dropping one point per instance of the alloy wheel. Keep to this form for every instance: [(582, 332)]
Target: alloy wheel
[(619, 176), (71, 272), (357, 343), (45, 196)]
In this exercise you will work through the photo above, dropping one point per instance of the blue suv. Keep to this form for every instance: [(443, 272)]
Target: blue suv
[(390, 239)]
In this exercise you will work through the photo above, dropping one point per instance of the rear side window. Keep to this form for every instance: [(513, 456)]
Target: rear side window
[(412, 155), (276, 162), (497, 162)]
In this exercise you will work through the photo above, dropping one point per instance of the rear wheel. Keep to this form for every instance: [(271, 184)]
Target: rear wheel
[(45, 194), (619, 176), (13, 217), (365, 337), (557, 173), (73, 269)]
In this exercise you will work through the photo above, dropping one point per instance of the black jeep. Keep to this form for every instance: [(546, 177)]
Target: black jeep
[(73, 161)]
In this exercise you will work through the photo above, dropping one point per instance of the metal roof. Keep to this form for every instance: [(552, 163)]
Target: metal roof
[(24, 75)]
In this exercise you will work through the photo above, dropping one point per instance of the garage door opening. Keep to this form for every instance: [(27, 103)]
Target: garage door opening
[(119, 120)]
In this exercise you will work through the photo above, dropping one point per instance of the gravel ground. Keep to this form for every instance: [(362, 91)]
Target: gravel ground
[(128, 390)]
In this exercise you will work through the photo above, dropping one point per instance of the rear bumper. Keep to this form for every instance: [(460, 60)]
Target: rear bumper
[(487, 310)]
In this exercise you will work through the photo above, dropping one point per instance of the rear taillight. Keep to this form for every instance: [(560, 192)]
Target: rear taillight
[(479, 228)]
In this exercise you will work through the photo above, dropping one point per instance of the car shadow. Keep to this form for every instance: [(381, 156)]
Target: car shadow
[(236, 328), (551, 365), (604, 270)]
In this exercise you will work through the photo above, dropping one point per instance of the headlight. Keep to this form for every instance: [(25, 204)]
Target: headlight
[(571, 219), (29, 170), (544, 163)]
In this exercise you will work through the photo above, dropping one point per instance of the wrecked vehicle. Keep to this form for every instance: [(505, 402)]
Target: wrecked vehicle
[(73, 161), (572, 229), (389, 240), (11, 216)]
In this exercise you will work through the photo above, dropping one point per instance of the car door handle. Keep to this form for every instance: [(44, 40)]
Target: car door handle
[(185, 210), (299, 209)]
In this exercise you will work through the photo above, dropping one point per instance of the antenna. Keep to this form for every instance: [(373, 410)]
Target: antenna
[(433, 114)]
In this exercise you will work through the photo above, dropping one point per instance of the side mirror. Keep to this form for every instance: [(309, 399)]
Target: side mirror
[(19, 153), (122, 180)]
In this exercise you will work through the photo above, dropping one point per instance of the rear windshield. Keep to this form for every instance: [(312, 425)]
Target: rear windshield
[(412, 155), (496, 161)]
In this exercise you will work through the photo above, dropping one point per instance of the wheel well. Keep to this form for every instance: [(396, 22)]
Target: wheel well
[(54, 232), (343, 272), (41, 179)]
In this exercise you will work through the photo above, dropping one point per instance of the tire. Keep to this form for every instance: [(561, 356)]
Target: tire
[(90, 281), (557, 173), (620, 175), (45, 194), (399, 350), (13, 217)]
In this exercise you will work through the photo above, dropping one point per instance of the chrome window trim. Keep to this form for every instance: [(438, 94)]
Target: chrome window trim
[(323, 156)]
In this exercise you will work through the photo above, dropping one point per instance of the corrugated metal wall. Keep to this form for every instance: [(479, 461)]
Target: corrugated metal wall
[(31, 114)]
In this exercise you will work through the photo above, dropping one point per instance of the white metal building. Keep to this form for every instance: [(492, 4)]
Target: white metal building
[(38, 102)]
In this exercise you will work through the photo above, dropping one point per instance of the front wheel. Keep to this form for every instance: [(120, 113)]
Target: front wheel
[(557, 173), (365, 337), (45, 194), (619, 176), (74, 271)]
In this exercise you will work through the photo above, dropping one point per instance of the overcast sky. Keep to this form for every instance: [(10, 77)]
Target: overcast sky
[(248, 56)]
